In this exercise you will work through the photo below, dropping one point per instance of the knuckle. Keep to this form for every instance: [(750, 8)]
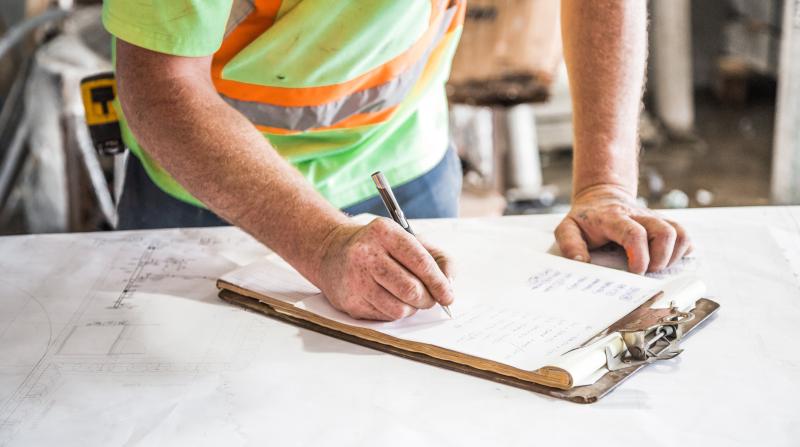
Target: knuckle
[(428, 267), (396, 312), (380, 270), (360, 250), (412, 291), (380, 225), (666, 233), (618, 209), (440, 288), (634, 235), (561, 230), (678, 227)]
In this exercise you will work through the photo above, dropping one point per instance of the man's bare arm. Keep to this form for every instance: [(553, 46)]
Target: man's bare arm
[(221, 158), (605, 46), (216, 154)]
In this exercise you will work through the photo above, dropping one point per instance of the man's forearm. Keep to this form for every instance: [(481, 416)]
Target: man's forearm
[(221, 159), (605, 46)]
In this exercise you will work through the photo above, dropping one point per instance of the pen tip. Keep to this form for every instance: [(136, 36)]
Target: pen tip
[(447, 311)]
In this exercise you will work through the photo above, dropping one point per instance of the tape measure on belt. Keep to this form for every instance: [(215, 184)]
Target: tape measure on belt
[(98, 92)]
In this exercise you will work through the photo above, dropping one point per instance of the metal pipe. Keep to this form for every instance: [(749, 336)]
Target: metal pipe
[(786, 147), (672, 62), (525, 169), (12, 162), (16, 33)]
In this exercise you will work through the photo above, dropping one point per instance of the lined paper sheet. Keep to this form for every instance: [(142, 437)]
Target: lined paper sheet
[(514, 304)]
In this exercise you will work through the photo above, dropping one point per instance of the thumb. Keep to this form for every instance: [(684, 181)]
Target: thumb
[(570, 240)]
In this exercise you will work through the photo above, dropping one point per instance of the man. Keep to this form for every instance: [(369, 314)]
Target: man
[(272, 114)]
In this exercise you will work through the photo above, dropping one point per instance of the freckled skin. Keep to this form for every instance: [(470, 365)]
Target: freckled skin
[(378, 271), (605, 46), (597, 218), (393, 273)]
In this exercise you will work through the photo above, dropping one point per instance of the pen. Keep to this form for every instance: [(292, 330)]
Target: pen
[(387, 196)]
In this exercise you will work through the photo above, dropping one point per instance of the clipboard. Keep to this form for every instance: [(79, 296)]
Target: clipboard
[(621, 366)]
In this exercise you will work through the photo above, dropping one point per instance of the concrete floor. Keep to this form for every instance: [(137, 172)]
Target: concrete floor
[(729, 156)]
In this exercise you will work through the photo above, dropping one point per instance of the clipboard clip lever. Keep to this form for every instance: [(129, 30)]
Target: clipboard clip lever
[(653, 335)]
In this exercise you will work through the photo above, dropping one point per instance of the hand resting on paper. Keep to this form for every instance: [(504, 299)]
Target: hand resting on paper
[(379, 272), (604, 214)]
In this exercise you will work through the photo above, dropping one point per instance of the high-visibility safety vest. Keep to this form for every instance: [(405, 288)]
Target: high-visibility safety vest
[(340, 88)]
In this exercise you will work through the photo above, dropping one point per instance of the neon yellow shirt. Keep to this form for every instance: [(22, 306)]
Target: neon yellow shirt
[(273, 58)]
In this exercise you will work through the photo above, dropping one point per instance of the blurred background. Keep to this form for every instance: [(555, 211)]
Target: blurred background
[(718, 127)]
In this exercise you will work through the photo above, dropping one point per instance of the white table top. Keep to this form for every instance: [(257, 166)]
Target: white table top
[(120, 339)]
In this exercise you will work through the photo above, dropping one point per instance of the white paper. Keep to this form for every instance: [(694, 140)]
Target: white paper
[(189, 369), (514, 305)]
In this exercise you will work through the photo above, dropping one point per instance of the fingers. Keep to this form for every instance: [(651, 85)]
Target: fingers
[(442, 260), (605, 214), (404, 248), (358, 308), (387, 304), (683, 244), (661, 236), (384, 273), (402, 284), (570, 240), (633, 238), (366, 311)]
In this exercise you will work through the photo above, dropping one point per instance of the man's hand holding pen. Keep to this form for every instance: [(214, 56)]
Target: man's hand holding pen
[(381, 272)]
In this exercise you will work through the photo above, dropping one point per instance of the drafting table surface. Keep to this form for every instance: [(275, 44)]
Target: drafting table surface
[(120, 339)]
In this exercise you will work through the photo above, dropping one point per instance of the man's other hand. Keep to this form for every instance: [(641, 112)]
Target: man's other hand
[(380, 272), (605, 213)]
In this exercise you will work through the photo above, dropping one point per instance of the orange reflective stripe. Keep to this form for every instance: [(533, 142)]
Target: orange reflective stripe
[(312, 96), (259, 20), (360, 119), (293, 120), (363, 119), (367, 99)]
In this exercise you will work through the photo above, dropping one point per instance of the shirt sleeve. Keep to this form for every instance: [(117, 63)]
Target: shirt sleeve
[(191, 28)]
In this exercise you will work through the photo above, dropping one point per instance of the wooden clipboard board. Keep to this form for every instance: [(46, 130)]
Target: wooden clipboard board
[(703, 310)]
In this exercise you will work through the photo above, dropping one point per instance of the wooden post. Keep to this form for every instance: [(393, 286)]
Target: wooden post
[(786, 146)]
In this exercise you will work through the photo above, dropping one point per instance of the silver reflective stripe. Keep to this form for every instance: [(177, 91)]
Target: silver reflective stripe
[(239, 11), (373, 99)]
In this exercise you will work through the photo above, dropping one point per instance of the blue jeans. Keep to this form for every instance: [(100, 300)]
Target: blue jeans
[(144, 205), (433, 194)]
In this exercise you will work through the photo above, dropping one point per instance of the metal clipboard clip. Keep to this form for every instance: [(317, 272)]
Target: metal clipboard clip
[(650, 336), (651, 332)]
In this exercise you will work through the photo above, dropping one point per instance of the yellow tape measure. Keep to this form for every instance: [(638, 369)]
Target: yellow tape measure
[(98, 93)]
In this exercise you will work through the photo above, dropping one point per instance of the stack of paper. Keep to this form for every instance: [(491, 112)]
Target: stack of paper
[(518, 310)]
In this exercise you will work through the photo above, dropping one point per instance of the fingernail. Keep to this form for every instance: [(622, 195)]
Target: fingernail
[(578, 258)]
